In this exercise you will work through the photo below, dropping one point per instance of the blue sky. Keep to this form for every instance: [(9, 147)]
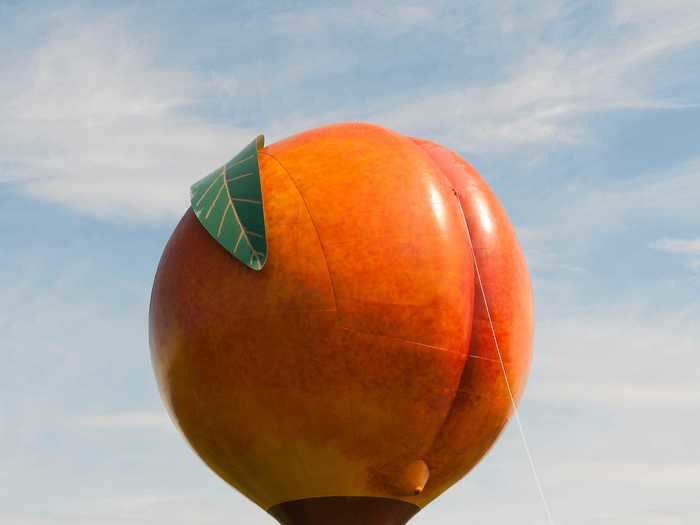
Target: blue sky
[(584, 117)]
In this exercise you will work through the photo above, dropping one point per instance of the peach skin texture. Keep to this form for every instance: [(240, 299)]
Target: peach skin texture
[(359, 363)]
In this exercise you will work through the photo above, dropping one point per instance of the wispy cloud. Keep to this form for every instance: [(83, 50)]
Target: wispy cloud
[(547, 94), (688, 249), (95, 121), (92, 122), (322, 23), (114, 115), (615, 204), (678, 246), (127, 420), (137, 509), (669, 475), (582, 211), (614, 354), (617, 393)]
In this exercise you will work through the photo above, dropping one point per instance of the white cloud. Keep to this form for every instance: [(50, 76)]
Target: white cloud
[(678, 246), (624, 354), (683, 475), (546, 95), (322, 22), (91, 121), (138, 509), (582, 211), (127, 420), (619, 393), (643, 474), (688, 249), (672, 193), (651, 11)]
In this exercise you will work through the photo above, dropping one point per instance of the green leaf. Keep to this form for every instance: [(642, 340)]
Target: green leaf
[(229, 204)]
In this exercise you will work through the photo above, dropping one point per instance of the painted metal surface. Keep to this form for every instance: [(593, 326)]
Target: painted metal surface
[(344, 510), (229, 204), (358, 362)]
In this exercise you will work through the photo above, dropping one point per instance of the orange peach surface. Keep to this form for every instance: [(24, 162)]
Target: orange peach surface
[(362, 352)]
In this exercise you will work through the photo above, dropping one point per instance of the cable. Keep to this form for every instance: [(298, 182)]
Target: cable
[(510, 391)]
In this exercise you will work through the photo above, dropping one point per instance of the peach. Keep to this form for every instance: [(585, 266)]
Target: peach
[(356, 376)]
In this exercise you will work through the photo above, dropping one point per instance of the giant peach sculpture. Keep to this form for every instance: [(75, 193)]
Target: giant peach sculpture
[(341, 325)]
